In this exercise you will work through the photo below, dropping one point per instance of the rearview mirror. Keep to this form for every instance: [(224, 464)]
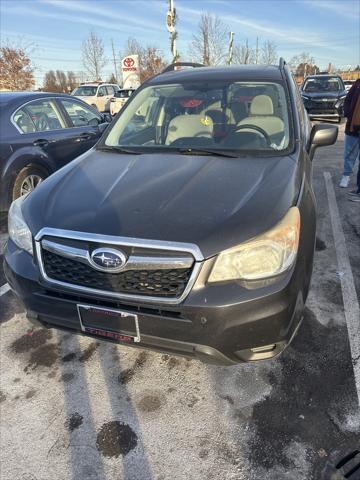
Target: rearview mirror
[(321, 136)]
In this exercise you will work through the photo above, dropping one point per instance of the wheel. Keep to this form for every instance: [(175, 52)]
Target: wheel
[(27, 179)]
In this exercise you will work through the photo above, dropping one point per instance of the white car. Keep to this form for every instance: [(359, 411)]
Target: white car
[(97, 95), (119, 100)]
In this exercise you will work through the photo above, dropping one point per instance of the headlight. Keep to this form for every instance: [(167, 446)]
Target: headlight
[(266, 255), (18, 230)]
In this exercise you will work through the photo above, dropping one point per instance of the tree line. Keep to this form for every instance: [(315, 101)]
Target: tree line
[(209, 45)]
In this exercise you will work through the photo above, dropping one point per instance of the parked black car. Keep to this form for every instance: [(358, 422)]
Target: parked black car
[(323, 96), (189, 228), (41, 132)]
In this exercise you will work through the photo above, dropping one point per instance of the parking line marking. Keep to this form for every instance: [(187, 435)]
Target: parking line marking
[(350, 300), (4, 289)]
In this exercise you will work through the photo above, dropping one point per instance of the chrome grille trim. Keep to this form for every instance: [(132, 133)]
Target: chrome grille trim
[(134, 262), (77, 253)]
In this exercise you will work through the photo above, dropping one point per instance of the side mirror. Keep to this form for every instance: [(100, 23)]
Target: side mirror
[(321, 136), (100, 94)]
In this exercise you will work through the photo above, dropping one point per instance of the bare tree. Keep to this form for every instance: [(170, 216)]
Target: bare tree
[(133, 47), (269, 54), (244, 54), (16, 71), (153, 63), (303, 64), (50, 82), (59, 81), (112, 79), (71, 81), (93, 55), (209, 45)]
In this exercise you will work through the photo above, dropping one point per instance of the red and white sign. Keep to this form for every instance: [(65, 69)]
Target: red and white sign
[(130, 71)]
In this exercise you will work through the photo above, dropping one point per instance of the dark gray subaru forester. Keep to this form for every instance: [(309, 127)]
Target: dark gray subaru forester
[(189, 228)]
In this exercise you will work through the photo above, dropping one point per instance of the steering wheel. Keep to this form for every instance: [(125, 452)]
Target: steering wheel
[(257, 129)]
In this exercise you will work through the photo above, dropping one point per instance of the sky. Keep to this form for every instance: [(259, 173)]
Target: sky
[(53, 30)]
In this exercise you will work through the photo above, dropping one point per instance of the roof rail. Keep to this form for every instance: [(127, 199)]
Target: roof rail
[(173, 66), (282, 62)]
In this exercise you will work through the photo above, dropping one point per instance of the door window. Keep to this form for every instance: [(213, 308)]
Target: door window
[(24, 121), (38, 116), (110, 90), (79, 114), (102, 92)]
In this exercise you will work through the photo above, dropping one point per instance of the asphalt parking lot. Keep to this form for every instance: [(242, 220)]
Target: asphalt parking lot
[(75, 408)]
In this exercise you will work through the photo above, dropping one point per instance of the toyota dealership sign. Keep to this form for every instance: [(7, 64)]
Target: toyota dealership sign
[(130, 71)]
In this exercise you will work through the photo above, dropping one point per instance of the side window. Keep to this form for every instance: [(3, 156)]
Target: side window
[(102, 91), (39, 116), (79, 114), (110, 90), (24, 122)]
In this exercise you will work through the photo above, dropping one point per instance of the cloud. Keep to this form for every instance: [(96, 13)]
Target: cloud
[(110, 22), (257, 28), (349, 9), (120, 17)]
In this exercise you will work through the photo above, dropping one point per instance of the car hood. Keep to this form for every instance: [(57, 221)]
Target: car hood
[(213, 202)]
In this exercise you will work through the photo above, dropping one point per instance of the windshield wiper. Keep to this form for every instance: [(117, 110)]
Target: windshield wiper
[(206, 151), (119, 150)]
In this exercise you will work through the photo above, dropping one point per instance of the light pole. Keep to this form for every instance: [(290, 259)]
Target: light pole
[(231, 45), (170, 25)]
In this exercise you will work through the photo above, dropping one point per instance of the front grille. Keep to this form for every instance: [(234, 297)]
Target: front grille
[(169, 283), (322, 106)]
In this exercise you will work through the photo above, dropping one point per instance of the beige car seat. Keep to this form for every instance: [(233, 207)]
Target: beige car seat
[(189, 126), (262, 115)]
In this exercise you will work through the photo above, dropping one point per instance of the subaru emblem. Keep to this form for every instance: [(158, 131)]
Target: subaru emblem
[(108, 260)]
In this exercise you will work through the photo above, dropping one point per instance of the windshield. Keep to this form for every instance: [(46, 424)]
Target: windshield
[(85, 91), (322, 85), (216, 115)]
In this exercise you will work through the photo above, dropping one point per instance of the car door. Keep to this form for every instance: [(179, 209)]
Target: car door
[(110, 92), (102, 98), (44, 131), (84, 124)]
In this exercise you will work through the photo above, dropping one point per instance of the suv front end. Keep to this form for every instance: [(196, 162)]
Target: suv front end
[(181, 307), (324, 96), (195, 237)]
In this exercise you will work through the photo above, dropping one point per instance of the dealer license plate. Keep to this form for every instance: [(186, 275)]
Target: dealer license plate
[(110, 323)]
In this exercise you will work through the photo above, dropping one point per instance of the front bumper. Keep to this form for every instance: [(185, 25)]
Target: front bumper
[(220, 324)]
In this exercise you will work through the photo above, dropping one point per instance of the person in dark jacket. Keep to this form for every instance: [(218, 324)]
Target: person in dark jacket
[(352, 138)]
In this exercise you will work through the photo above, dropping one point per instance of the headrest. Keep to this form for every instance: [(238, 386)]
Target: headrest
[(261, 105)]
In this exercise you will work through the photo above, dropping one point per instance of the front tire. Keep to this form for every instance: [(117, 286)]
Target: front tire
[(27, 180)]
